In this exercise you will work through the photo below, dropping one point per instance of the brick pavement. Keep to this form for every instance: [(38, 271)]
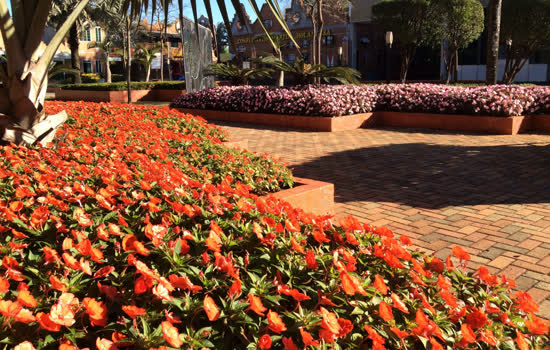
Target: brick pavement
[(489, 194)]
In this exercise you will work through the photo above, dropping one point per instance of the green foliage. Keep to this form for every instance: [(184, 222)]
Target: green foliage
[(121, 86), (527, 24), (57, 69), (90, 78), (236, 75), (462, 22), (305, 73)]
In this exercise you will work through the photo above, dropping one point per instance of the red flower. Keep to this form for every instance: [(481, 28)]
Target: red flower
[(256, 305), (467, 333), (96, 310), (310, 260), (275, 323), (133, 311), (307, 338), (264, 342), (477, 319), (380, 285), (289, 344), (398, 304), (171, 334), (461, 253), (521, 342), (211, 309), (385, 311)]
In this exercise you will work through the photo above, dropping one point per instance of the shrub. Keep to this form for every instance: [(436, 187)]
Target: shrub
[(326, 100), (121, 86), (322, 100), (90, 78), (137, 229)]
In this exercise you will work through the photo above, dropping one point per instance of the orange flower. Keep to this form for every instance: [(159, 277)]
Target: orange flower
[(297, 247), (467, 334), (26, 345), (385, 311), (289, 344), (171, 334), (476, 319), (264, 342), (57, 284), (46, 322), (64, 310), (398, 304), (97, 311), (25, 316), (133, 311), (461, 253), (380, 285), (9, 308), (351, 285), (275, 323), (105, 344), (520, 340), (310, 260), (210, 308), (537, 325), (329, 321), (401, 334), (256, 305), (307, 338), (82, 218), (213, 242), (26, 299)]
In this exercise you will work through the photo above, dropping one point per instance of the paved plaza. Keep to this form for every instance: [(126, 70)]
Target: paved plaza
[(489, 194)]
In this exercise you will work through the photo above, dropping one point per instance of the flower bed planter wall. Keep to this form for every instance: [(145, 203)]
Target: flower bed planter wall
[(493, 125), (311, 196), (456, 122), (349, 122), (117, 96)]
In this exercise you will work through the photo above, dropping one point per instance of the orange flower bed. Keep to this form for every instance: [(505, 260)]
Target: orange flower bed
[(138, 230)]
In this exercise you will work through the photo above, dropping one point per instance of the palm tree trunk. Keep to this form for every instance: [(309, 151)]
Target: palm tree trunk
[(161, 58), (75, 57), (129, 58), (147, 76), (108, 69), (281, 81), (493, 32)]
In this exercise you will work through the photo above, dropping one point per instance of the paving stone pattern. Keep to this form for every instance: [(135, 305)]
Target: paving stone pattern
[(489, 194)]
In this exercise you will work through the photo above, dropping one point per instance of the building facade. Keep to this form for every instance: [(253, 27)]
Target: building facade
[(251, 41)]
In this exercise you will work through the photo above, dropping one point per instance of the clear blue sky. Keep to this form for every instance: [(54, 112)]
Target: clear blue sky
[(215, 11)]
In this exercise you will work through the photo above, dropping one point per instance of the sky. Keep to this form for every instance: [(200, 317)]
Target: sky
[(215, 11)]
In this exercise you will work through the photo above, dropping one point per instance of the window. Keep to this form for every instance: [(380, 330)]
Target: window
[(291, 45), (241, 49), (291, 58), (97, 66), (306, 43), (306, 57), (174, 44), (87, 66), (330, 40), (86, 35), (98, 35), (268, 23)]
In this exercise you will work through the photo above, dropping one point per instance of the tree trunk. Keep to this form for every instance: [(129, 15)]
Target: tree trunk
[(75, 57), (148, 73), (168, 60), (455, 69), (180, 6), (129, 59), (108, 69), (320, 32), (281, 81), (407, 55), (161, 59), (493, 32), (314, 41)]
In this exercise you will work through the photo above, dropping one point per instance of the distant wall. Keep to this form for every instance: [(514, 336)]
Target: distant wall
[(529, 73)]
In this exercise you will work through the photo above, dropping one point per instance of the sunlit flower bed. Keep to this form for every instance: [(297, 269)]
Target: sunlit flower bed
[(333, 101), (138, 230)]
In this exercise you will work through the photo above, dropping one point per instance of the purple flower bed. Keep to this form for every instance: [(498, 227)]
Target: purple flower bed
[(330, 101)]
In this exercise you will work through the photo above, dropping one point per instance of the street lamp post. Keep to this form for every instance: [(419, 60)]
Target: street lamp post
[(389, 42)]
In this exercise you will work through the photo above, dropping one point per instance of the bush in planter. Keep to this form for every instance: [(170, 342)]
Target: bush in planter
[(331, 101), (119, 236)]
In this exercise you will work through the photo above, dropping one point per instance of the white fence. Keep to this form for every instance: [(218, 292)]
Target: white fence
[(529, 72)]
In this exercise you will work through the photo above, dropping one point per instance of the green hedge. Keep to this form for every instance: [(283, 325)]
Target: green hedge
[(121, 86)]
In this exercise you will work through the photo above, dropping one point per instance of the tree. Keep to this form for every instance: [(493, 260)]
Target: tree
[(61, 9), (308, 73), (25, 77), (526, 26), (222, 37), (493, 35), (461, 23), (146, 56), (236, 75), (106, 46), (413, 23)]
